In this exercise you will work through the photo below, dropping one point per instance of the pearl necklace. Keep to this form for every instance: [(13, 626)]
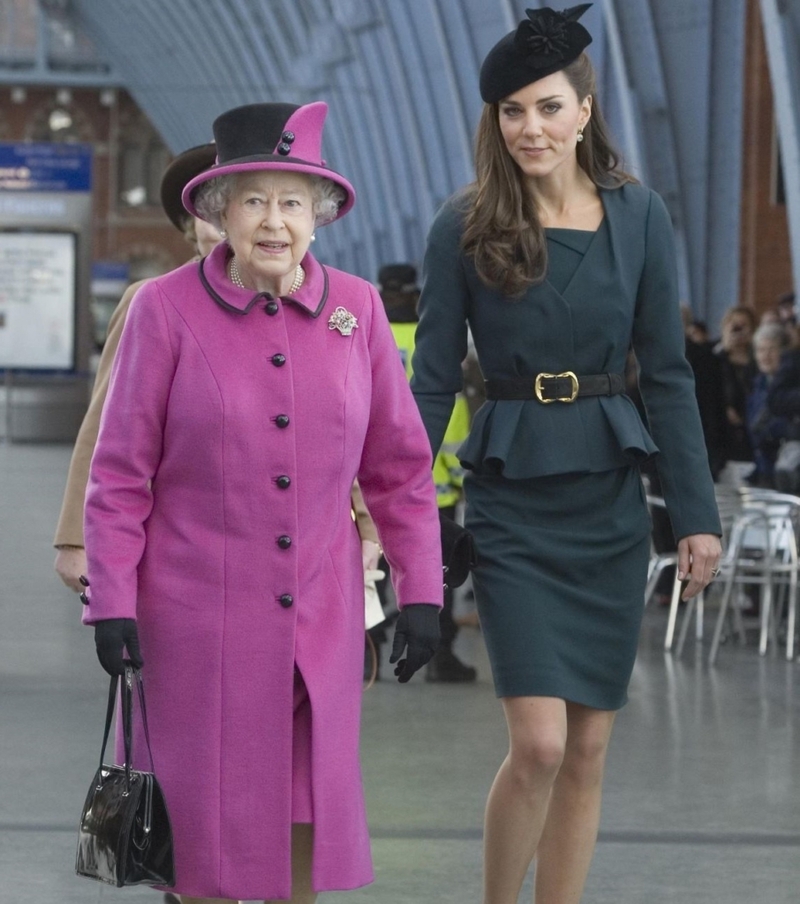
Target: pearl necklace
[(236, 278), (299, 277)]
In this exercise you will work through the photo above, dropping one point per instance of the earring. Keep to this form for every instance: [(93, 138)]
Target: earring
[(313, 236), (580, 134), (223, 233)]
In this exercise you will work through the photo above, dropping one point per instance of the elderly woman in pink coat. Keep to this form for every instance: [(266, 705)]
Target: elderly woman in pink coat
[(249, 391)]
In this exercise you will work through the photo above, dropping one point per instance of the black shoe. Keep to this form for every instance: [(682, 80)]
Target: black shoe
[(447, 667)]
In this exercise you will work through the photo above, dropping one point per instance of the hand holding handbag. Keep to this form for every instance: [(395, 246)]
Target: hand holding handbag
[(125, 836)]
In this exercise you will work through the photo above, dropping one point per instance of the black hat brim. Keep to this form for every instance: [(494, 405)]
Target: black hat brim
[(267, 162), (177, 176)]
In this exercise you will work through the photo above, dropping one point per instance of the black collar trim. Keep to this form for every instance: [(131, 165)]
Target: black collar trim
[(221, 301), (263, 296), (323, 299)]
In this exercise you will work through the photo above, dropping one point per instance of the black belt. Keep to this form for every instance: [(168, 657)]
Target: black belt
[(548, 388)]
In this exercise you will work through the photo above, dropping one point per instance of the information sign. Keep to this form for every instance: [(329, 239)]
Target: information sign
[(37, 300)]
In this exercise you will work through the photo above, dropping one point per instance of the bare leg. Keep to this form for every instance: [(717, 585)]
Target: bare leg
[(518, 802), (302, 850), (570, 831), (185, 899), (302, 856)]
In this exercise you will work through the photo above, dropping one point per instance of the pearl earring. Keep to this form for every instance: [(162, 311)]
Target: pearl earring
[(580, 134), (313, 236), (223, 233)]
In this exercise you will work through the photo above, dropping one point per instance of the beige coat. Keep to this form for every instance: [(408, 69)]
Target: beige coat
[(69, 531)]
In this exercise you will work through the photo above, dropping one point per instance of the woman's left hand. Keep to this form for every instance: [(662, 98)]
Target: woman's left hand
[(371, 553), (417, 632), (698, 561)]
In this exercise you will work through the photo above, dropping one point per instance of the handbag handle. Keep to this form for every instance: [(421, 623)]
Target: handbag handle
[(131, 675)]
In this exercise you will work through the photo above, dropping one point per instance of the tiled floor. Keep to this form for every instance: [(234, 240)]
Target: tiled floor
[(702, 798)]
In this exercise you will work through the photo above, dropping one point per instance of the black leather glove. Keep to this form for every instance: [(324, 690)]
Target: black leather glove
[(111, 637), (417, 629), (458, 551)]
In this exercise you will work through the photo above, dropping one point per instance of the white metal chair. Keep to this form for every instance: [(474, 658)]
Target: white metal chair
[(762, 551), (729, 505)]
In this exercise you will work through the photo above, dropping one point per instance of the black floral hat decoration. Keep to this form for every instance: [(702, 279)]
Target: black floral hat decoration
[(544, 43)]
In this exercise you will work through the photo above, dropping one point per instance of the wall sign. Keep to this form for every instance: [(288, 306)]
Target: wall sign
[(37, 300)]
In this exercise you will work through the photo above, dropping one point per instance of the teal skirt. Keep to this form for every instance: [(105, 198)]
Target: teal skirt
[(559, 584)]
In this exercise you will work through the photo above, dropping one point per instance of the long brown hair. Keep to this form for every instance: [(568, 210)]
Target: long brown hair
[(503, 233)]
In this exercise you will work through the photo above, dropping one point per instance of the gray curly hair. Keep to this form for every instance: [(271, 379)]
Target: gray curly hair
[(772, 332), (213, 196)]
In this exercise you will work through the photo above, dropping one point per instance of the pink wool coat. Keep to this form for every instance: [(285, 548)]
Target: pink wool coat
[(218, 516)]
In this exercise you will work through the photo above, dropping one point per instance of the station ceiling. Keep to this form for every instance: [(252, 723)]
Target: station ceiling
[(400, 77)]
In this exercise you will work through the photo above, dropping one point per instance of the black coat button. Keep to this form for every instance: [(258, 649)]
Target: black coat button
[(284, 482), (271, 308), (279, 360), (284, 542), (286, 600), (282, 421)]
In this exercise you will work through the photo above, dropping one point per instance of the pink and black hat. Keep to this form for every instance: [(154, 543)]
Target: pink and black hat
[(270, 137)]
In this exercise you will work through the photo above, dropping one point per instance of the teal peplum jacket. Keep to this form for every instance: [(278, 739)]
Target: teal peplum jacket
[(623, 295)]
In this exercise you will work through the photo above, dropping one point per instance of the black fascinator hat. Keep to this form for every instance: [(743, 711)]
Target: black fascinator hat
[(544, 43)]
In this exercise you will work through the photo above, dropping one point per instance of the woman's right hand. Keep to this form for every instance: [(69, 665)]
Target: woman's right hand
[(111, 637), (70, 564)]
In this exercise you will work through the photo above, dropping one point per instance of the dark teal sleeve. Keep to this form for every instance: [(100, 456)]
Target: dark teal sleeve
[(441, 337), (666, 383)]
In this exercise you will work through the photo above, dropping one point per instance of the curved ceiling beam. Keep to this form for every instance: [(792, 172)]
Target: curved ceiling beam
[(782, 34), (401, 79)]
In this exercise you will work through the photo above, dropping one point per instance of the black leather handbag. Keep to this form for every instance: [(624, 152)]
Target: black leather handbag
[(125, 836)]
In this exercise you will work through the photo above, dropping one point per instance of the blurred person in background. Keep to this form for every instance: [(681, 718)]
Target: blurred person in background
[(738, 370), (783, 401), (70, 563), (766, 430), (697, 332), (708, 390), (786, 308)]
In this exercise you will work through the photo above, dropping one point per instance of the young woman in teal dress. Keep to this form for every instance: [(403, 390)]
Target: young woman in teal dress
[(559, 262)]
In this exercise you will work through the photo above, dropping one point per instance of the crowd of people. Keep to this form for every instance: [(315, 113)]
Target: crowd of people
[(748, 392)]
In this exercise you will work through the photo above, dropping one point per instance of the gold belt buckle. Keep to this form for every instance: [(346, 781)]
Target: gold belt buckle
[(537, 387)]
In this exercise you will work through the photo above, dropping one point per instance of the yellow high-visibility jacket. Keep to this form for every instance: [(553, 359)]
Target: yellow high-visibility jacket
[(448, 475)]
